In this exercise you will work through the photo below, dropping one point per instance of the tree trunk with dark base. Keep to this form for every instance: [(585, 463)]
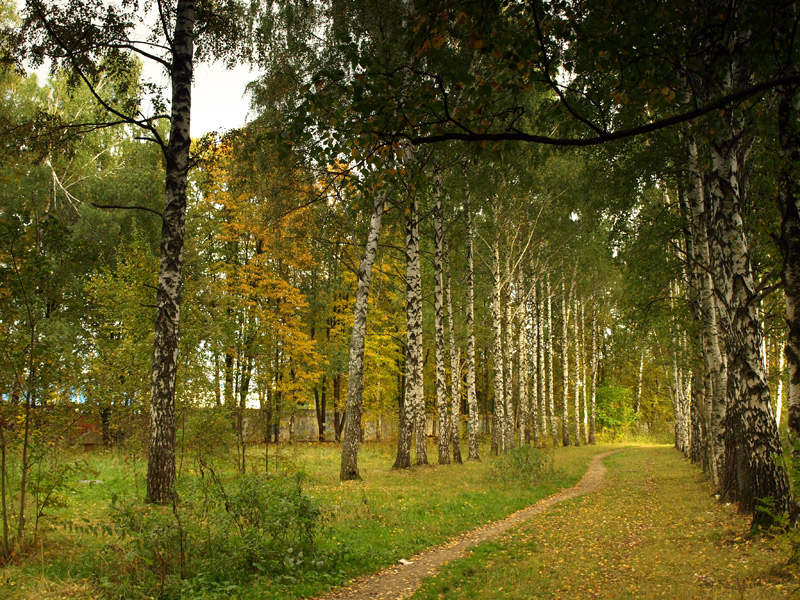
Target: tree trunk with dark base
[(355, 381), (161, 447)]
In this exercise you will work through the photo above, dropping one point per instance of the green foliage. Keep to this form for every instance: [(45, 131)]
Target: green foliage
[(526, 466), (219, 535), (615, 412)]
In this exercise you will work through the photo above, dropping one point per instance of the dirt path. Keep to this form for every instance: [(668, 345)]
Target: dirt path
[(401, 581)]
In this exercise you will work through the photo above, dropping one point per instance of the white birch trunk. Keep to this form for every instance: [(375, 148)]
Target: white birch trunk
[(524, 371), (161, 445), (583, 377), (594, 375), (576, 377), (498, 437), (753, 452), (712, 353), (541, 367), (455, 366), (416, 349), (551, 401), (472, 397), (564, 365), (355, 380), (638, 407), (438, 308), (508, 365), (534, 366), (779, 390)]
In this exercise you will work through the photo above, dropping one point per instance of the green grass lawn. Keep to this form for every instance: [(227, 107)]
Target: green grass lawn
[(654, 532), (368, 524)]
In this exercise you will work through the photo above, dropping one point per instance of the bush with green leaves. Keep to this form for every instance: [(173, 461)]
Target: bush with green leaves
[(526, 465), (218, 534), (615, 413)]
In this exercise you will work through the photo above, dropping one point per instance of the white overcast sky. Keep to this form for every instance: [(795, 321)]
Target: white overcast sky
[(218, 98)]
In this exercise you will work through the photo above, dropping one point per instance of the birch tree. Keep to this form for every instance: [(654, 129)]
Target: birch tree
[(438, 308), (550, 367), (472, 399), (524, 366), (564, 365), (455, 366), (499, 419), (576, 383), (355, 382)]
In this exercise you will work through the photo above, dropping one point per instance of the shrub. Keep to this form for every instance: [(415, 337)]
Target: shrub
[(219, 535), (526, 465)]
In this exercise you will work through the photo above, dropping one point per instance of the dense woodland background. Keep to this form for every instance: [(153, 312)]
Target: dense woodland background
[(543, 223)]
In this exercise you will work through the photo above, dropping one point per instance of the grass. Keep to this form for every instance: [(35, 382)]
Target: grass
[(654, 532), (369, 524)]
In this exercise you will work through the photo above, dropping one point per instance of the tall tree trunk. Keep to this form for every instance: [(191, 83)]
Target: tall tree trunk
[(228, 391), (472, 398), (712, 353), (540, 366), (320, 405), (455, 366), (161, 447), (355, 381), (576, 378), (438, 317), (638, 406), (779, 388), (583, 377), (564, 365), (524, 365), (414, 298), (594, 375), (498, 437), (508, 364), (551, 400), (753, 452), (414, 400), (789, 204), (338, 417)]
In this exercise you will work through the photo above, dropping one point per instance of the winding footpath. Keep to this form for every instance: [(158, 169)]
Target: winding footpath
[(401, 581)]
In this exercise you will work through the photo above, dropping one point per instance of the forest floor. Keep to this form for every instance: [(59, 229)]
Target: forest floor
[(653, 531), (401, 581), (511, 527)]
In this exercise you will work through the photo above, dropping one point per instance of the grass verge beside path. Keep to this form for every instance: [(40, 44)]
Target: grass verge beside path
[(654, 531), (369, 524)]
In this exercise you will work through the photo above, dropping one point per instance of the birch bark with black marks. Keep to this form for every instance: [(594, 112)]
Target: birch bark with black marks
[(712, 353), (564, 365), (754, 468), (498, 420), (472, 397), (638, 406), (592, 405), (551, 401), (583, 376), (576, 383), (351, 438), (524, 365), (161, 445), (508, 363), (455, 366), (438, 318), (540, 365)]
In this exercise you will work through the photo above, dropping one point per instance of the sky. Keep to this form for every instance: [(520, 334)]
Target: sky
[(218, 98)]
